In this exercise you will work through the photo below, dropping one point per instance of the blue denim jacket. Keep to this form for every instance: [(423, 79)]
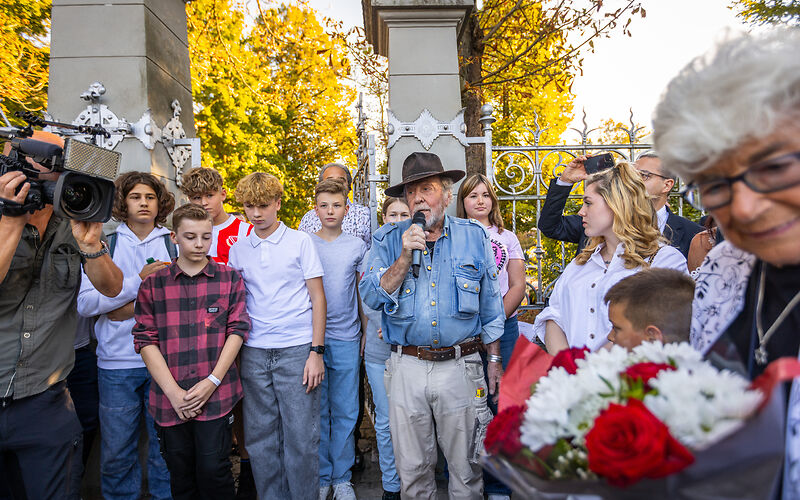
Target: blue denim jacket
[(457, 295)]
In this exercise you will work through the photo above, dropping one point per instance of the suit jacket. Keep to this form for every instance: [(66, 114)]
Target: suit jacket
[(555, 225)]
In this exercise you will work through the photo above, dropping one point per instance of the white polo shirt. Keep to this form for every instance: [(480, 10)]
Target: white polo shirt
[(274, 272)]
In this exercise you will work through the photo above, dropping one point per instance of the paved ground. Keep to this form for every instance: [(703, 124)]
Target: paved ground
[(367, 483)]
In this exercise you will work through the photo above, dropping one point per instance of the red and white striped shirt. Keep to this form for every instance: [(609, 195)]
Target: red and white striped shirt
[(225, 235)]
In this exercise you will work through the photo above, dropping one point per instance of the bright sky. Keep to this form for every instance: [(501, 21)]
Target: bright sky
[(623, 72)]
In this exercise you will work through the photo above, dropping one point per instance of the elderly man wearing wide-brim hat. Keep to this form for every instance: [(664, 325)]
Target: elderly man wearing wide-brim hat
[(436, 323)]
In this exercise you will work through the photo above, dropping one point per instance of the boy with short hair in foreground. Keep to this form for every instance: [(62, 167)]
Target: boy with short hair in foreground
[(654, 304), (282, 358), (203, 186), (341, 255), (191, 320)]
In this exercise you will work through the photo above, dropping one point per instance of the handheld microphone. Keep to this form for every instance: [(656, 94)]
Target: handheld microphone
[(416, 255)]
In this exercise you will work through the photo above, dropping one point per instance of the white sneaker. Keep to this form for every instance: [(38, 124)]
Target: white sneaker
[(323, 492), (496, 496), (343, 491)]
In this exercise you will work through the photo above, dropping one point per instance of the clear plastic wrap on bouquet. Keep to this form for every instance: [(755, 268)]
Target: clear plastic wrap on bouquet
[(744, 465)]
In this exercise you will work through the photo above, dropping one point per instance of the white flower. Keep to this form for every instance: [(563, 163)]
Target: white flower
[(702, 405), (682, 354)]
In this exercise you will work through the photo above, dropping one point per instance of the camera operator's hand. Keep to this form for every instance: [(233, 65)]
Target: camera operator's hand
[(574, 171), (149, 269), (9, 182), (87, 235)]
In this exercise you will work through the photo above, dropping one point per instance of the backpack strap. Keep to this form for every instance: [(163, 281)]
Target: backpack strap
[(171, 249), (112, 243)]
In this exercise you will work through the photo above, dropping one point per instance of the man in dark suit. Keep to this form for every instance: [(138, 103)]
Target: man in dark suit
[(553, 224)]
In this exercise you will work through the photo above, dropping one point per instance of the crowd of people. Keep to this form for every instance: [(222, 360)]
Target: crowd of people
[(219, 330)]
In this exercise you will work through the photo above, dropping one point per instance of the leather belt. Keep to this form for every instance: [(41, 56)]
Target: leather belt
[(428, 353)]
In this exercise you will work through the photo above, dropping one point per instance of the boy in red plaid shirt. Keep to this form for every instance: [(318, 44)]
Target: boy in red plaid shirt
[(191, 321)]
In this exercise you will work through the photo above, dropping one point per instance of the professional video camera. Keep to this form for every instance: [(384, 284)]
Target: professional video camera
[(84, 190)]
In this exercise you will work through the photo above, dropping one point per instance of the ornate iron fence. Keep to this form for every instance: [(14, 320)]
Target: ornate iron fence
[(520, 175)]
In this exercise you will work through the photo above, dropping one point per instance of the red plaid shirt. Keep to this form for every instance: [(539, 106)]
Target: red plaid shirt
[(189, 318)]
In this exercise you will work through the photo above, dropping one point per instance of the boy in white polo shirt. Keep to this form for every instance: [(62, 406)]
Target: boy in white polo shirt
[(281, 361)]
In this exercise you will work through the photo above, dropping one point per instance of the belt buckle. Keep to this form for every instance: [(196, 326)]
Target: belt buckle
[(419, 352)]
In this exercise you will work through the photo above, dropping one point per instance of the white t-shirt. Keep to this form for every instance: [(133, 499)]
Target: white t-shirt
[(274, 272), (576, 304), (224, 235)]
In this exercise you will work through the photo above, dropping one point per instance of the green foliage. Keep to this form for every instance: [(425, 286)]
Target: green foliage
[(24, 27), (767, 11), (268, 98)]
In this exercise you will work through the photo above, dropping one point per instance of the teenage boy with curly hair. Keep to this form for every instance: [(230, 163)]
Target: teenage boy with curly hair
[(139, 247), (282, 361)]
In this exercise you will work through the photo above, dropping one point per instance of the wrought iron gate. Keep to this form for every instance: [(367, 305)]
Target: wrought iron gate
[(520, 175)]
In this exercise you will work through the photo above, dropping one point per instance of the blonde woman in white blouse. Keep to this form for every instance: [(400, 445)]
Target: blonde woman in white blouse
[(623, 236)]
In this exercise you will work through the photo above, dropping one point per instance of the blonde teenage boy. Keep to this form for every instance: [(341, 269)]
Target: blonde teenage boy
[(341, 255), (282, 361), (203, 187)]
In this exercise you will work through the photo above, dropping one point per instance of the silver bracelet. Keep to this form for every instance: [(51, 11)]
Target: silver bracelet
[(495, 358), (214, 380)]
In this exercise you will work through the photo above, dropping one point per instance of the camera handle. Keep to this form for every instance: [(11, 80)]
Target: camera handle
[(11, 208)]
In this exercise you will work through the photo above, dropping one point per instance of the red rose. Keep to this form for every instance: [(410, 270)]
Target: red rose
[(628, 443), (566, 358), (646, 371), (502, 435)]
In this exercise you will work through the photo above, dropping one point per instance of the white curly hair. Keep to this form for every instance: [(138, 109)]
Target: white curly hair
[(742, 90)]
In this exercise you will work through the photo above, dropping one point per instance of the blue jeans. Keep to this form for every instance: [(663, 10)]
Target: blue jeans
[(389, 477), (338, 407), (507, 342), (281, 423), (124, 396)]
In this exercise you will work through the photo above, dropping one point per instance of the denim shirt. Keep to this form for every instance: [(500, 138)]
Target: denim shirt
[(457, 294)]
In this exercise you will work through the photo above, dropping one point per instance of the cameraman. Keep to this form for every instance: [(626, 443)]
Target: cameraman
[(40, 268)]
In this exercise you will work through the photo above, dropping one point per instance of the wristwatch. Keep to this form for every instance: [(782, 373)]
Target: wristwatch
[(87, 256), (319, 349)]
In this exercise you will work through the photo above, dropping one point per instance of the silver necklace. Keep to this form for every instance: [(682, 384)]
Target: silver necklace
[(763, 338)]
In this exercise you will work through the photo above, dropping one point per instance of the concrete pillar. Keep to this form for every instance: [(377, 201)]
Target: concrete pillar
[(420, 39), (138, 49)]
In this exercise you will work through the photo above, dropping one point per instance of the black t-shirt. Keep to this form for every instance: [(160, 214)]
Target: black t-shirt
[(780, 286), (431, 246)]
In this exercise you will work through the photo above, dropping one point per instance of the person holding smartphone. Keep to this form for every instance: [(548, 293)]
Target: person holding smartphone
[(678, 230)]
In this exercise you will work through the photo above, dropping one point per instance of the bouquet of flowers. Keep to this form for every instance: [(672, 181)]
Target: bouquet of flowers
[(601, 421)]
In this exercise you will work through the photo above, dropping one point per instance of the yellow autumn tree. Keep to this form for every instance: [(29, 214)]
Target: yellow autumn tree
[(24, 26), (268, 96)]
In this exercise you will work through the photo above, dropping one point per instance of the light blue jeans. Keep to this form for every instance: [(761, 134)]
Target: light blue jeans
[(124, 396), (281, 423), (338, 405), (389, 477)]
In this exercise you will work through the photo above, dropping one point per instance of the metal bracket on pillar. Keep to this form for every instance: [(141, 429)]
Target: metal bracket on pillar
[(178, 146), (427, 129)]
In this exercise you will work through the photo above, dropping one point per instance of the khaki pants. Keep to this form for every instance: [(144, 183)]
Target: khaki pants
[(437, 401)]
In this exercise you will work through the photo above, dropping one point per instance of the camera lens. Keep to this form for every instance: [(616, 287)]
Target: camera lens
[(78, 197)]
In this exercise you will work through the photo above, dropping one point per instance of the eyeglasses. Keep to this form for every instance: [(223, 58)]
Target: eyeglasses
[(768, 176), (646, 175)]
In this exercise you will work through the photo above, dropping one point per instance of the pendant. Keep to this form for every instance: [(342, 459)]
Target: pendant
[(761, 355)]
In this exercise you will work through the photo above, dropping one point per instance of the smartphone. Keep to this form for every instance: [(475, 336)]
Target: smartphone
[(150, 260), (598, 163)]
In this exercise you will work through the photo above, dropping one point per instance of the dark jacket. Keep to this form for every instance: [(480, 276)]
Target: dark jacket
[(553, 224)]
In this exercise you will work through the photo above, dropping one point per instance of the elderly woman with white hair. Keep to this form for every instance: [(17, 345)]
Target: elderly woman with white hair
[(729, 125)]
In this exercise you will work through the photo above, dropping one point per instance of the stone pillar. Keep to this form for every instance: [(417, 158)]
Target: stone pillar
[(420, 38), (138, 49)]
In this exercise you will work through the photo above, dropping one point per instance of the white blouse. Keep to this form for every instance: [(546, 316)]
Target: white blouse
[(576, 304)]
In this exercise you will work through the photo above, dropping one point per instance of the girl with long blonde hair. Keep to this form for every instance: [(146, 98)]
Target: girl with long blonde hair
[(619, 219)]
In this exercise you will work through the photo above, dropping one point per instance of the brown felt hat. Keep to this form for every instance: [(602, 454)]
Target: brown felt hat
[(419, 166)]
